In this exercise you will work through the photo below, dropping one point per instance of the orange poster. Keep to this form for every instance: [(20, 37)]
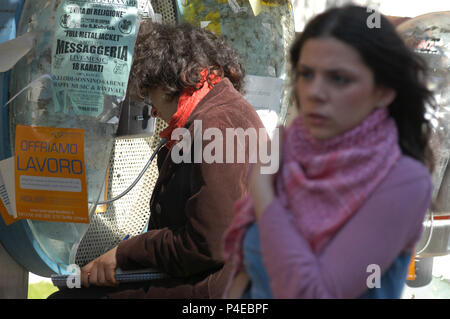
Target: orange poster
[(50, 174), (411, 269), (7, 218)]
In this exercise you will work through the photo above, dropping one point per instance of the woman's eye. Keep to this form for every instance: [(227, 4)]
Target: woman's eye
[(339, 79), (307, 75)]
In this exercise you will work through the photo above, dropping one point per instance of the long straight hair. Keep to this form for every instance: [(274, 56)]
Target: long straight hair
[(393, 64)]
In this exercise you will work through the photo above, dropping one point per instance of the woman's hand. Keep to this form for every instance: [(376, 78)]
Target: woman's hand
[(240, 282), (101, 271)]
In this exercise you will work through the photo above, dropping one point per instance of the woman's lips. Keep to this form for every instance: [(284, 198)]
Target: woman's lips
[(316, 119)]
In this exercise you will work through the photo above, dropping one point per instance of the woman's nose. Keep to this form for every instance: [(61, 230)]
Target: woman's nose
[(317, 89)]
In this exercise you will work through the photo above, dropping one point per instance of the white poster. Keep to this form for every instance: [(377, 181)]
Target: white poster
[(92, 52)]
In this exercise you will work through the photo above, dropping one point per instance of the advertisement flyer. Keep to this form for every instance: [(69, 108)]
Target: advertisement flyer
[(92, 53), (7, 191), (7, 218), (50, 174)]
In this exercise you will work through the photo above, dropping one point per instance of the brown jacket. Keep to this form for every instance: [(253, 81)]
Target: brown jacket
[(191, 206)]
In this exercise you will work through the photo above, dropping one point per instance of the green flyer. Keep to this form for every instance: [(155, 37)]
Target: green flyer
[(92, 52)]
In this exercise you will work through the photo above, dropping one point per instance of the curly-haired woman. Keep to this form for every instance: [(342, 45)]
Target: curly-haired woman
[(189, 74)]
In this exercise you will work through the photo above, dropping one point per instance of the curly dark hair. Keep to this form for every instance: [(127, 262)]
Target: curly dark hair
[(393, 64), (172, 57)]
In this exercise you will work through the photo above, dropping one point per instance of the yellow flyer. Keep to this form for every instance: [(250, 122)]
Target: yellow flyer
[(50, 174)]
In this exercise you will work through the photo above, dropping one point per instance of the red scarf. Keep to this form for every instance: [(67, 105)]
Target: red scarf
[(323, 183), (187, 102)]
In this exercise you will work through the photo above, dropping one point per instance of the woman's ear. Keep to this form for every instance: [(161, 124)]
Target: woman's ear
[(385, 96)]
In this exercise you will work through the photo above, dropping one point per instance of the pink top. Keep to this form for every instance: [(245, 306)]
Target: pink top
[(388, 223)]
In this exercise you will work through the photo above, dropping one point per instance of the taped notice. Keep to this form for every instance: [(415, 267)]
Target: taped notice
[(50, 174), (7, 192), (264, 92), (256, 6), (235, 7), (13, 50), (7, 181), (92, 52)]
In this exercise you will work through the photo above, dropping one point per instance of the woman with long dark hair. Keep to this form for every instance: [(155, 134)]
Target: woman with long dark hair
[(342, 215)]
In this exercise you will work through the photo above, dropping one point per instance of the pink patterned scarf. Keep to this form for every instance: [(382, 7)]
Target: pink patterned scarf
[(323, 183)]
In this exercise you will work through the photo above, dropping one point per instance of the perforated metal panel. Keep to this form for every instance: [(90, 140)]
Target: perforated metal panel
[(128, 215), (167, 9)]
